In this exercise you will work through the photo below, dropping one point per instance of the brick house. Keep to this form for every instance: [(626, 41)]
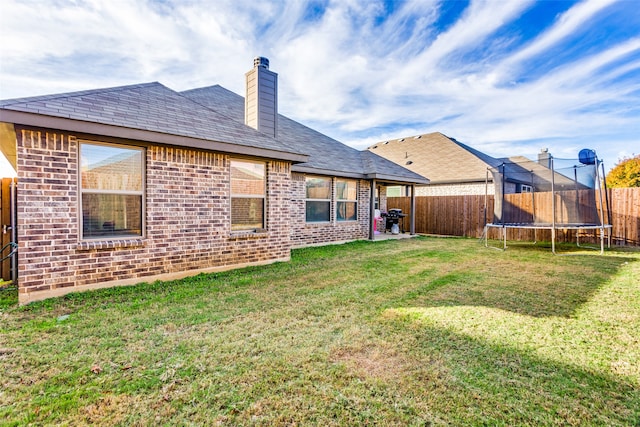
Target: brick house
[(141, 183)]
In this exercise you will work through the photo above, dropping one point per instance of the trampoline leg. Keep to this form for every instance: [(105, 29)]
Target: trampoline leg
[(504, 236)]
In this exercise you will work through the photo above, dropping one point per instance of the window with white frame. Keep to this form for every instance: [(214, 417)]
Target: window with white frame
[(248, 190), (318, 199), (346, 200), (111, 191), (524, 188)]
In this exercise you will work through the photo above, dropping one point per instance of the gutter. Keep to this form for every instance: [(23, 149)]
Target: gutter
[(392, 179)]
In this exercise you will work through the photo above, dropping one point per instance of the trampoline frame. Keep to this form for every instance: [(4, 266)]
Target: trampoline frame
[(605, 230)]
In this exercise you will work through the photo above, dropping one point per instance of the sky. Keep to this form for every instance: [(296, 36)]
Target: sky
[(507, 77)]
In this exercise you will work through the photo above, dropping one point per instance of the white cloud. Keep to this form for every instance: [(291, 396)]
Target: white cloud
[(566, 26), (346, 71)]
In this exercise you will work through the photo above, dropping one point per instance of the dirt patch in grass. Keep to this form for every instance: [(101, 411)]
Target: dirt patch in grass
[(108, 410), (369, 361)]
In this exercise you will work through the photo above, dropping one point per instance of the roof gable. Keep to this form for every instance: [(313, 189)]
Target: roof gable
[(438, 157)]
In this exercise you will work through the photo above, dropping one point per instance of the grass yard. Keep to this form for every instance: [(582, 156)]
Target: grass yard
[(423, 331)]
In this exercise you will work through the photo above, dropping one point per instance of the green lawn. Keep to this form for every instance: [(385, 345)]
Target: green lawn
[(423, 331)]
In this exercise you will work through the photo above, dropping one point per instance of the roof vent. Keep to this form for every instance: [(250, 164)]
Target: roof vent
[(386, 142), (401, 140), (409, 162), (417, 137), (261, 61)]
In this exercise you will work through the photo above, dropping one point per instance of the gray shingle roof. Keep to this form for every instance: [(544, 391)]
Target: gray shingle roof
[(209, 118), (326, 155), (150, 107)]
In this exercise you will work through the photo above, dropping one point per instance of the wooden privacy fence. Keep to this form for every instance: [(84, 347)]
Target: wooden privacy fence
[(465, 216), (7, 203)]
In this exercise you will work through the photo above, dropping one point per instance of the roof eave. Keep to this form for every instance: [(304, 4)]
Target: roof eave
[(319, 171), (72, 125), (396, 179), (462, 181)]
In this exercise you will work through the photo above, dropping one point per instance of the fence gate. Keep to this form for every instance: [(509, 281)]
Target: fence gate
[(8, 256)]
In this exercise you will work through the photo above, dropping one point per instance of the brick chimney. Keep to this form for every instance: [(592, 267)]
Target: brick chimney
[(261, 100), (544, 158)]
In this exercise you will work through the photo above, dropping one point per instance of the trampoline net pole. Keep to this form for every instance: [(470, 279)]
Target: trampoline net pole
[(553, 207)]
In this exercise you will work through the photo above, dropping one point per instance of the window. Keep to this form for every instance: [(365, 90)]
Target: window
[(112, 191), (395, 191), (248, 189), (346, 200), (524, 188), (318, 203)]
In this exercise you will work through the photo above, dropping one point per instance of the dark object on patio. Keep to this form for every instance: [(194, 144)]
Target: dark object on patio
[(394, 217)]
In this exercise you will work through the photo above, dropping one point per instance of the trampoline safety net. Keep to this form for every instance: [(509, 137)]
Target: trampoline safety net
[(560, 194)]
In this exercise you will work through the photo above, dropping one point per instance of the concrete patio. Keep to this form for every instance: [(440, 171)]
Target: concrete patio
[(390, 236)]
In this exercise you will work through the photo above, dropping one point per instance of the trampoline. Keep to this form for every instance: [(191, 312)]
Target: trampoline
[(565, 194)]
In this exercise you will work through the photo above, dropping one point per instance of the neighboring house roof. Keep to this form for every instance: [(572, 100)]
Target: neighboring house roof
[(147, 112), (436, 156), (326, 155), (446, 161)]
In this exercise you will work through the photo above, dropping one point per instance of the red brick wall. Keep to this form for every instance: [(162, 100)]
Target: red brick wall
[(47, 203), (188, 223), (303, 233)]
